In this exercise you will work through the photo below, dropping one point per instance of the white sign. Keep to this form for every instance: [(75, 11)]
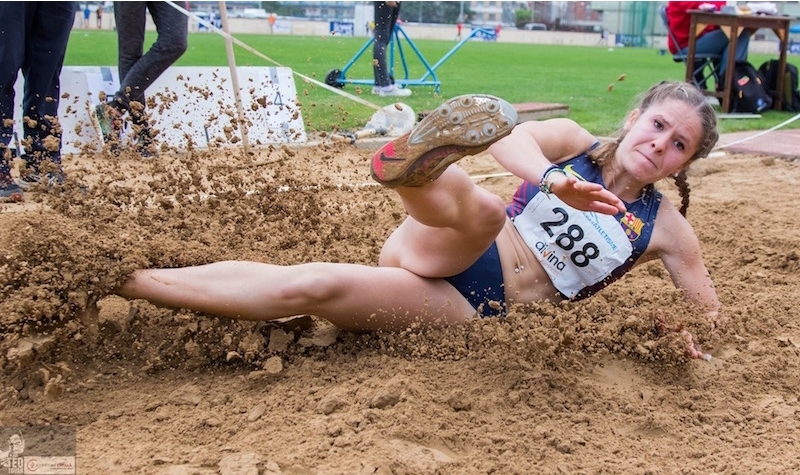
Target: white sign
[(187, 105)]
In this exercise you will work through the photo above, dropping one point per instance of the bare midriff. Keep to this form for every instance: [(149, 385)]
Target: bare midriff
[(524, 278)]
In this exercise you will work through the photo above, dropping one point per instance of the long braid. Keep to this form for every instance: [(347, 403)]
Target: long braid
[(683, 190)]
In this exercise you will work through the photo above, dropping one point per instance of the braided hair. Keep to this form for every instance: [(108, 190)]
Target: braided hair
[(657, 94)]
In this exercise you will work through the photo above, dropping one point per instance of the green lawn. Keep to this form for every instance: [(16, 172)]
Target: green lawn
[(578, 76)]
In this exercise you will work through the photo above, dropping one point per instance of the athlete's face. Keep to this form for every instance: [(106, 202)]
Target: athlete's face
[(660, 140)]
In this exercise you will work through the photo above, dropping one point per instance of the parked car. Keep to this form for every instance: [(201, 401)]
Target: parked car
[(535, 26)]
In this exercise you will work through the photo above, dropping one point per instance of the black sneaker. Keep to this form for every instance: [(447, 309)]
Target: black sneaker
[(146, 152), (145, 146)]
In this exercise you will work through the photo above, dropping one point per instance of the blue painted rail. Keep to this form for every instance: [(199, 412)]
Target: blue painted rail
[(338, 77)]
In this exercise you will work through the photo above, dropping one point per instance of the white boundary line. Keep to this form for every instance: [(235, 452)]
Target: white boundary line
[(759, 134)]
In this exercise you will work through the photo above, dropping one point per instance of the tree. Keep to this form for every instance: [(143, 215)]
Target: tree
[(284, 8), (522, 16), (432, 12)]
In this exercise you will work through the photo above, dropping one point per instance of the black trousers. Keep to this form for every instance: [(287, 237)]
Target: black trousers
[(33, 38), (137, 69), (385, 19)]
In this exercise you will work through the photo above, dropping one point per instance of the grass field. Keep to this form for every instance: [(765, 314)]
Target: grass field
[(578, 76)]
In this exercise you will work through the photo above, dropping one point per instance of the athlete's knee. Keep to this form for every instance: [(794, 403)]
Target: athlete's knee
[(310, 285), (492, 214)]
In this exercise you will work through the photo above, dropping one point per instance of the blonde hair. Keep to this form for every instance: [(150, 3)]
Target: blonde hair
[(661, 92)]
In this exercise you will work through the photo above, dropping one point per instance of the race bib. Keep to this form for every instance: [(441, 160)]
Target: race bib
[(576, 248)]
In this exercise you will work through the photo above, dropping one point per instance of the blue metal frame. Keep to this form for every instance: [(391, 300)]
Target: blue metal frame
[(428, 79)]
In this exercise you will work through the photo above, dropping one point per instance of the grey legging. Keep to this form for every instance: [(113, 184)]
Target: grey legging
[(138, 70)]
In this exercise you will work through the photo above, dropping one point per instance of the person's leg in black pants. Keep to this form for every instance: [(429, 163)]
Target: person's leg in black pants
[(33, 39), (45, 47), (386, 14), (12, 55), (137, 69), (385, 19)]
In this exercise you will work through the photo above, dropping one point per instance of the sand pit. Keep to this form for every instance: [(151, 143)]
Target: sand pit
[(575, 388)]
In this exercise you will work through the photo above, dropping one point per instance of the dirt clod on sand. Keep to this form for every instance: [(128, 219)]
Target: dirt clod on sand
[(589, 387)]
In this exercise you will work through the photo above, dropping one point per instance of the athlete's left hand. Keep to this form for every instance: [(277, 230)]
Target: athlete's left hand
[(691, 348), (584, 195)]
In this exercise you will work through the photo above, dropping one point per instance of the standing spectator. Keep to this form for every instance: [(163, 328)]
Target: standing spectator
[(138, 70), (99, 14), (603, 37), (459, 25), (271, 23), (86, 13), (33, 39), (386, 14)]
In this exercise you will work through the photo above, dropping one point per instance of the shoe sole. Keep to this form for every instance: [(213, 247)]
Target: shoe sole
[(464, 125)]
